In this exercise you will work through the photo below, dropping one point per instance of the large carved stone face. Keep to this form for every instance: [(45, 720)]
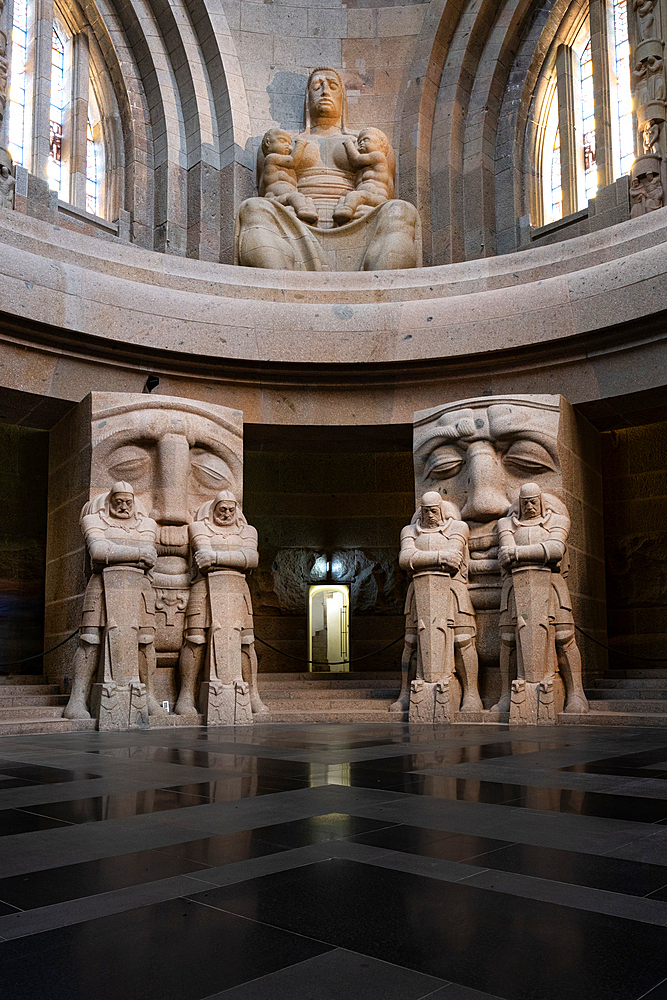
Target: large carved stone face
[(325, 96), (477, 453), (176, 454)]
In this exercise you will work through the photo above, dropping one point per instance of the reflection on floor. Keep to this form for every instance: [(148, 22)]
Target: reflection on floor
[(334, 862)]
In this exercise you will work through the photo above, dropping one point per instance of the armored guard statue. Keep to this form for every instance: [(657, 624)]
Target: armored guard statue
[(118, 613), (440, 620), (224, 548), (535, 609)]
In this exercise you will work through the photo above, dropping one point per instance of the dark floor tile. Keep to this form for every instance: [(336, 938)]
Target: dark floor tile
[(337, 975), (88, 878), (439, 786), (318, 829), (612, 874), (6, 908), (454, 992), (117, 805), (174, 950), (14, 821), (621, 772), (223, 848), (430, 843), (43, 774), (659, 993), (7, 782), (490, 941)]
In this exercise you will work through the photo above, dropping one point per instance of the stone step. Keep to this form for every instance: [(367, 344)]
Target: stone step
[(313, 676), (641, 705), (607, 718), (631, 684), (22, 679), (25, 700), (610, 694), (17, 726), (346, 715), (331, 693), (327, 682), (32, 711), (639, 674), (329, 704), (16, 690)]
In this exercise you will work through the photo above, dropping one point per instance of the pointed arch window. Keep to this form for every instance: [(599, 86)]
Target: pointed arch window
[(590, 115), (67, 147)]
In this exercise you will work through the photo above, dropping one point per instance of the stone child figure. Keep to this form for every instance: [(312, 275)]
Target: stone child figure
[(439, 615), (118, 606), (373, 181), (7, 180), (535, 608), (224, 548), (278, 177)]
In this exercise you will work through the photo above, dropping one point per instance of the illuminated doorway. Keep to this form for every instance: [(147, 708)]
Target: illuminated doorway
[(328, 627)]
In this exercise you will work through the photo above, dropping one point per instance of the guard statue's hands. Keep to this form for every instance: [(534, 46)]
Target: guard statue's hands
[(204, 558), (147, 556), (450, 559), (507, 554)]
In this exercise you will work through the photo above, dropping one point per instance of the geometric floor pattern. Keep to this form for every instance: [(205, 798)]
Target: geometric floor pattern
[(334, 862)]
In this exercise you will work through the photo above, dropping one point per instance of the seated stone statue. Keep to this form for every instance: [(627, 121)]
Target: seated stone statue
[(118, 613), (535, 609), (218, 619), (439, 616), (273, 235)]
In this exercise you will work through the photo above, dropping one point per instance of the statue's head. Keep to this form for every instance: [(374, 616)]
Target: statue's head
[(325, 103), (224, 509), (277, 140), (478, 452), (372, 140), (530, 501), (177, 453), (433, 510), (6, 163), (121, 501)]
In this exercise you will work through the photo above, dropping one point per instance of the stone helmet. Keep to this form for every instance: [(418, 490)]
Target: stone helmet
[(121, 487), (433, 499)]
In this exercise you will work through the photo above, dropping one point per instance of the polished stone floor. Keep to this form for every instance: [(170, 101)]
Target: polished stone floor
[(334, 862)]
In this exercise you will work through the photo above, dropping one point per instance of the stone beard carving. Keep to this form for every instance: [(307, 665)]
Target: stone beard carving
[(118, 613), (7, 181), (477, 453), (440, 620), (219, 614), (178, 454), (536, 611), (327, 201)]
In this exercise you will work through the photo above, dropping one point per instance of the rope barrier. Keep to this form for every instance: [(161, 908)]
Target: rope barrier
[(632, 656), (37, 656), (338, 663)]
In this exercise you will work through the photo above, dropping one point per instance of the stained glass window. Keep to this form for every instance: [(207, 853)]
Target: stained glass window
[(623, 93), (56, 112), (556, 188), (92, 172), (588, 121), (17, 85)]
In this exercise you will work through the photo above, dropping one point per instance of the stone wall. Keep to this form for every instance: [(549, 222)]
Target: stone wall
[(634, 464), (325, 492), (23, 484)]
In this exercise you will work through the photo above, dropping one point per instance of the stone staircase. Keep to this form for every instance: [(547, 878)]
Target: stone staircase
[(29, 704), (625, 698), (330, 697)]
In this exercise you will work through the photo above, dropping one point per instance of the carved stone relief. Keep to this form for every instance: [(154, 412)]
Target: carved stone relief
[(326, 198), (478, 454)]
